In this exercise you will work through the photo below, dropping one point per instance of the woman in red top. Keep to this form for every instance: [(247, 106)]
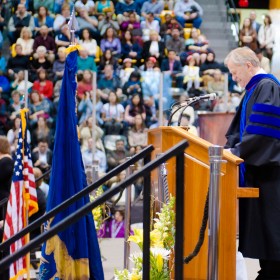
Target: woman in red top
[(43, 85), (85, 85)]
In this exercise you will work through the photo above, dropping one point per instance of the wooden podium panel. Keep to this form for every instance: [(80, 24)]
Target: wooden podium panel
[(213, 126), (197, 178)]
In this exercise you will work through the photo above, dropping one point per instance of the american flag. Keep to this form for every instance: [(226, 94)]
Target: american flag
[(22, 202)]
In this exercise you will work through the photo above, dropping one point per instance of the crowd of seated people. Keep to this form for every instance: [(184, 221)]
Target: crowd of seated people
[(128, 44)]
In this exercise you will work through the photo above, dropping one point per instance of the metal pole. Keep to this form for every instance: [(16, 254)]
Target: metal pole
[(129, 171), (160, 103), (95, 169), (160, 193), (25, 89), (226, 93), (93, 112), (215, 154)]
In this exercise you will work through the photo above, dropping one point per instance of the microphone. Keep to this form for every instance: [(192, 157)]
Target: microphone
[(183, 105), (210, 96)]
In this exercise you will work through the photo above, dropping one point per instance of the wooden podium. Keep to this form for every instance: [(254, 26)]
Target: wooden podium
[(197, 178)]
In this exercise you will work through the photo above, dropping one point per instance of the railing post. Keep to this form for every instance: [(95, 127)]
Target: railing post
[(146, 222), (179, 237), (215, 154), (129, 171), (95, 170), (160, 193)]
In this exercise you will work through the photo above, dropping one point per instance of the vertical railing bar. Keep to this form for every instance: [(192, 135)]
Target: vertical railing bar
[(179, 217), (127, 218), (146, 222)]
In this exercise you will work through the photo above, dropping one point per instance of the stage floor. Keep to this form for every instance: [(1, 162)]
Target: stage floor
[(113, 257), (112, 251)]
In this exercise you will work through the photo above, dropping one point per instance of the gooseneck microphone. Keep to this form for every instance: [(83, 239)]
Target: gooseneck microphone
[(184, 104)]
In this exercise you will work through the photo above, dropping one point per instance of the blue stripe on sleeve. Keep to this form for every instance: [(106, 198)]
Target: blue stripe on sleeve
[(265, 131), (265, 108), (267, 120)]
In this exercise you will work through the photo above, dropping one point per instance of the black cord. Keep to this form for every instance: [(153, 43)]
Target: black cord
[(172, 114), (201, 233), (185, 107), (118, 199)]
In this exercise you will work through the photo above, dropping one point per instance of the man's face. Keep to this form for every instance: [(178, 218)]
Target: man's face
[(241, 74), (120, 146), (44, 30), (171, 55), (18, 50), (42, 147), (21, 9), (175, 33), (253, 16), (108, 72)]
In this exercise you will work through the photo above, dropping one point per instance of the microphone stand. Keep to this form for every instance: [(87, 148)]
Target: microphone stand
[(172, 114), (189, 102), (184, 108)]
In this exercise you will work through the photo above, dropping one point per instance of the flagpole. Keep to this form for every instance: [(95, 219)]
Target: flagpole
[(26, 88), (27, 237), (93, 112)]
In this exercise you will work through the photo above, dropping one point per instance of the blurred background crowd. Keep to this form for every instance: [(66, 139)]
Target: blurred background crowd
[(133, 48)]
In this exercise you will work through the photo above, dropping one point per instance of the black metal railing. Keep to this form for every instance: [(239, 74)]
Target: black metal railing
[(177, 151), (37, 223)]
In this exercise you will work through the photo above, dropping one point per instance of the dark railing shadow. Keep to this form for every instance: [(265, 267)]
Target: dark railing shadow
[(178, 151)]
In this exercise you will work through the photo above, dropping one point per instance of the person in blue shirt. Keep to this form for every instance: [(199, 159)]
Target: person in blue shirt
[(123, 9)]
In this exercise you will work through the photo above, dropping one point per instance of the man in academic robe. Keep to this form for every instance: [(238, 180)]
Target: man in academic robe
[(254, 135)]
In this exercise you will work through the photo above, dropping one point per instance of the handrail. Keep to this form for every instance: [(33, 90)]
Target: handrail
[(77, 196), (2, 204), (230, 5), (43, 175), (3, 201), (74, 217)]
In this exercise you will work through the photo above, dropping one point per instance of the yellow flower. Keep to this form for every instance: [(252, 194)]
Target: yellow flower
[(135, 276), (137, 237), (156, 239), (159, 261)]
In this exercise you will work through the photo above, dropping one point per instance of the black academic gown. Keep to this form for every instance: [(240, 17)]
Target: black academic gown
[(259, 218)]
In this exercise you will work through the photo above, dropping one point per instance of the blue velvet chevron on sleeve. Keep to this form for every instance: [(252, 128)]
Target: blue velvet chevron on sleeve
[(265, 121)]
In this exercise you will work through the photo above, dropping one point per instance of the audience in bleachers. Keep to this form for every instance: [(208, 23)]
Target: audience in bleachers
[(130, 45)]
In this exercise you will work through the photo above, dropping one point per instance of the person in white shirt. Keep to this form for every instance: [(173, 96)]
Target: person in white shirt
[(98, 156), (150, 24), (26, 41), (87, 4), (88, 43)]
